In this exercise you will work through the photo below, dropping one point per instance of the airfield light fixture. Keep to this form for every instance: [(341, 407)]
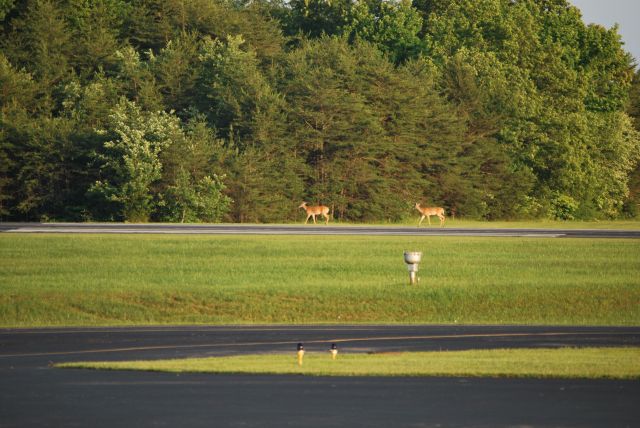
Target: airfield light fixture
[(412, 259)]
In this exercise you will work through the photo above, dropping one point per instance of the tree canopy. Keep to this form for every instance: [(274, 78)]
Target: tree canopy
[(225, 110)]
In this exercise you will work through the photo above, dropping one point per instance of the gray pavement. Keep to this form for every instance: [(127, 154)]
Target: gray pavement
[(222, 229), (32, 393)]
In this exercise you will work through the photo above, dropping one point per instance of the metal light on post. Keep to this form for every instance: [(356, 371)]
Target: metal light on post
[(300, 353), (412, 259), (334, 351)]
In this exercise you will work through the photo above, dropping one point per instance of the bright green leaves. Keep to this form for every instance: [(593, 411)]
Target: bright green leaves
[(133, 169), (533, 76), (393, 27), (131, 158), (189, 201)]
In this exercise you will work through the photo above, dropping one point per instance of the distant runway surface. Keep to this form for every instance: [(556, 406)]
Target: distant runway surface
[(32, 393), (241, 229)]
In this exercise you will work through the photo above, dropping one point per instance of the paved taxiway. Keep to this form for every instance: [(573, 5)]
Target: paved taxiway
[(32, 393), (244, 229)]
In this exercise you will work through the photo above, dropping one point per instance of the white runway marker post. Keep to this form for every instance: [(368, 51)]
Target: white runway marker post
[(412, 259)]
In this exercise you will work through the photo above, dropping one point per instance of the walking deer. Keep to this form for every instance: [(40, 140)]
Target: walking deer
[(428, 212), (313, 211)]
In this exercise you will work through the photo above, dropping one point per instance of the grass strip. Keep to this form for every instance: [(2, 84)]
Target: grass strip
[(55, 280), (588, 363)]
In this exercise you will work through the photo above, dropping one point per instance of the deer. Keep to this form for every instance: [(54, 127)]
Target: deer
[(313, 211), (428, 212)]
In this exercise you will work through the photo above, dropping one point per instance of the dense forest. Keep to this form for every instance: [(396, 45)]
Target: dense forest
[(233, 110)]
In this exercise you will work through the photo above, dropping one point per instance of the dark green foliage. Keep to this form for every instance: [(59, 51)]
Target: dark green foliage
[(632, 204), (201, 110)]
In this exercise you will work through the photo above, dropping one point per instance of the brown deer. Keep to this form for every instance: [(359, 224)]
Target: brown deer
[(428, 212), (313, 211)]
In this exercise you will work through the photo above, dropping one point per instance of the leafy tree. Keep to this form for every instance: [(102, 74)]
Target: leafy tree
[(37, 173), (5, 7), (314, 18), (136, 80), (18, 96), (266, 184), (559, 72), (633, 107), (393, 27), (176, 71), (195, 202), (616, 155), (190, 188), (372, 136), (96, 26), (150, 23), (38, 40), (495, 184), (335, 128), (233, 90), (132, 158), (632, 204)]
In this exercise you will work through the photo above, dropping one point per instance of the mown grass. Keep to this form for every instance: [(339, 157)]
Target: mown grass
[(592, 363), (52, 280)]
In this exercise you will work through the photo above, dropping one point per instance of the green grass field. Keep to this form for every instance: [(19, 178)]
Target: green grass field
[(592, 363), (54, 280)]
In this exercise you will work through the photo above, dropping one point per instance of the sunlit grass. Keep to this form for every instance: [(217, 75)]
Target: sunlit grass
[(156, 279), (592, 363)]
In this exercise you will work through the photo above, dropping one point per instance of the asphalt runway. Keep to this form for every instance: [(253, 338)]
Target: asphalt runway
[(244, 229), (32, 393)]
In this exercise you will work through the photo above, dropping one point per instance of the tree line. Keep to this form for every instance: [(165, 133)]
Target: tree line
[(234, 110)]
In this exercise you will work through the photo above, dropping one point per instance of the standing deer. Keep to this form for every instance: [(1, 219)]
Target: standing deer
[(428, 212), (313, 211)]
